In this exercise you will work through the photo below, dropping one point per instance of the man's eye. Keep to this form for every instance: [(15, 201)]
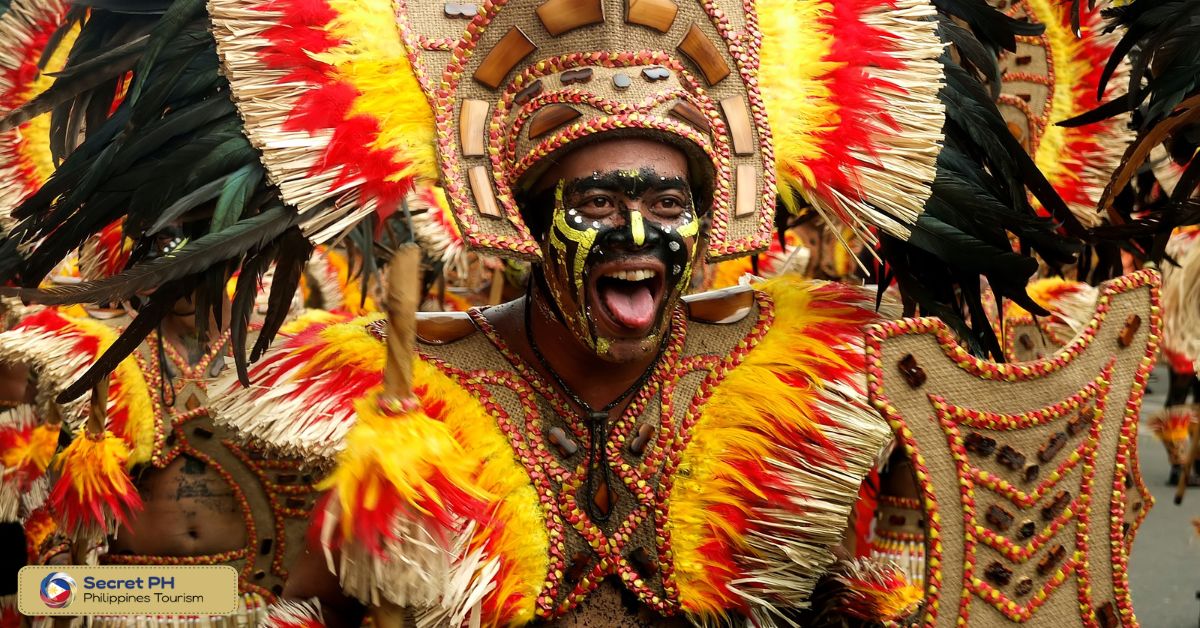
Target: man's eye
[(598, 202), (670, 205)]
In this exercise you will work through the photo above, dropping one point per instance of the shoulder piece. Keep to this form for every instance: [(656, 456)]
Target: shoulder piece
[(301, 399), (462, 495), (302, 392), (1026, 471), (727, 305), (777, 454), (439, 328), (58, 349)]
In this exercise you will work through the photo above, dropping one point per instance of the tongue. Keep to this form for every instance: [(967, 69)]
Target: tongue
[(631, 306)]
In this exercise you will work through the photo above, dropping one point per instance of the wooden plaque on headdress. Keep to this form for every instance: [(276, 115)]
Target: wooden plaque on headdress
[(1028, 472)]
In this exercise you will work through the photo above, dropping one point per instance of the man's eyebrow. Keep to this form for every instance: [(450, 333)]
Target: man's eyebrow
[(632, 183)]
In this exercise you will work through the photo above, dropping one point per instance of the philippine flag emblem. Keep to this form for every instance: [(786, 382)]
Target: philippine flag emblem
[(58, 589)]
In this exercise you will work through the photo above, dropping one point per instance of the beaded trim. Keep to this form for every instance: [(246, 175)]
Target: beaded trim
[(561, 508), (169, 447), (952, 418)]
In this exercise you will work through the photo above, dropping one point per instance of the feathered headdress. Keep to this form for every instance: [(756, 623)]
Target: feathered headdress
[(1055, 76), (1158, 41), (30, 50), (258, 127)]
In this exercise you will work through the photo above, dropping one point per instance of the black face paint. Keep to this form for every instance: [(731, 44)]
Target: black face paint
[(628, 183), (608, 218)]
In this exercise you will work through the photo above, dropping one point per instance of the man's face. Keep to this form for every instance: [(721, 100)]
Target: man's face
[(621, 243)]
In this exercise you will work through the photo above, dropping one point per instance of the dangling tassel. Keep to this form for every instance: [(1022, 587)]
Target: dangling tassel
[(1173, 426), (94, 491), (295, 614), (39, 525), (403, 486), (25, 451), (875, 592)]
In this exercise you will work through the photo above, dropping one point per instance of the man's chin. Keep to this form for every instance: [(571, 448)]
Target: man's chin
[(623, 350)]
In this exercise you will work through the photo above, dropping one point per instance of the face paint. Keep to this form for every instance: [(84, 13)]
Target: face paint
[(620, 251)]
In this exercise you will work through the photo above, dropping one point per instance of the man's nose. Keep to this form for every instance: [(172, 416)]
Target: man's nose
[(637, 234)]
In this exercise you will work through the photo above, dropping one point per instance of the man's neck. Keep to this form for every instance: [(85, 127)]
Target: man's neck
[(595, 380), (179, 330)]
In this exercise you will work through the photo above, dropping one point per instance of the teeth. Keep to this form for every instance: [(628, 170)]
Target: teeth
[(631, 275)]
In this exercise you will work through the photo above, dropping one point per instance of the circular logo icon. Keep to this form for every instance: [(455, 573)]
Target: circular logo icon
[(58, 589)]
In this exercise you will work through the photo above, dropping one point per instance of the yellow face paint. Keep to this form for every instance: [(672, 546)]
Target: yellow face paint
[(689, 230), (637, 227), (583, 238)]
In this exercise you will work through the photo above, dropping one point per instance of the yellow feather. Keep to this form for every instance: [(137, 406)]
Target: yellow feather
[(94, 464), (308, 319), (374, 60), (36, 133), (729, 431), (1069, 69), (38, 450), (797, 102), (467, 447), (522, 542), (401, 452)]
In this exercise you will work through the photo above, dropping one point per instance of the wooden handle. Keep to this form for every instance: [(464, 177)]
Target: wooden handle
[(53, 414), (401, 302), (497, 289), (98, 408)]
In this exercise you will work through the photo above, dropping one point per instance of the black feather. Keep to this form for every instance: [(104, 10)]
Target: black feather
[(194, 257), (244, 295), (989, 24), (291, 255), (137, 7), (174, 20), (1114, 107), (973, 53), (145, 322)]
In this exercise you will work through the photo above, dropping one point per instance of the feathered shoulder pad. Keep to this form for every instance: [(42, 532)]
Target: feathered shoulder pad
[(57, 348), (302, 392)]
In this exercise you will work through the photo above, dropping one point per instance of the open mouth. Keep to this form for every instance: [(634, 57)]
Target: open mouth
[(628, 296)]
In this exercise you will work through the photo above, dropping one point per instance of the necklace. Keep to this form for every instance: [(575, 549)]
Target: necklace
[(600, 505)]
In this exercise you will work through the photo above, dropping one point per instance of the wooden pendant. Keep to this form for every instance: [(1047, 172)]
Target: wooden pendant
[(689, 113), (746, 190), (472, 125), (737, 118), (481, 188), (549, 118)]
